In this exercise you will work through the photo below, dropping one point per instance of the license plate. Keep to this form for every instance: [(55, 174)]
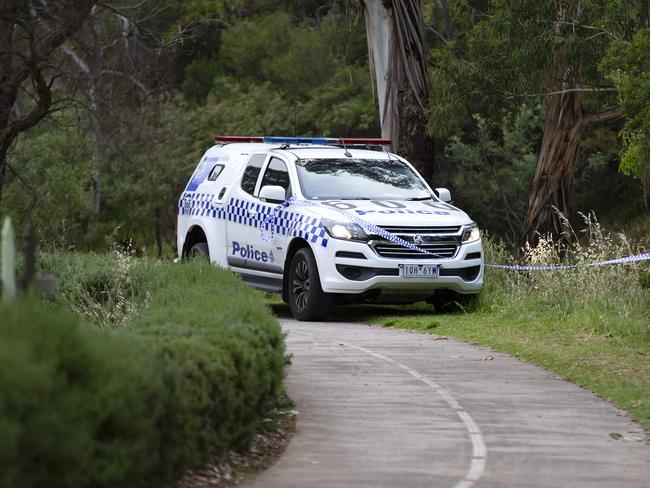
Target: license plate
[(419, 270)]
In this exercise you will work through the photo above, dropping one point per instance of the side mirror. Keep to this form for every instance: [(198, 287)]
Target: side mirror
[(272, 194), (443, 194)]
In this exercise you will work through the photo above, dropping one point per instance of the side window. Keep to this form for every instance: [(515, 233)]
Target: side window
[(251, 172), (277, 174), (216, 171)]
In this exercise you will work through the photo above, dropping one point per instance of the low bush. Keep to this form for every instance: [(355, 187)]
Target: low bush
[(78, 407), (194, 369), (105, 289)]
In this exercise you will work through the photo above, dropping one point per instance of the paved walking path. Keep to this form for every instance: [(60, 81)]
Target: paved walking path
[(389, 408)]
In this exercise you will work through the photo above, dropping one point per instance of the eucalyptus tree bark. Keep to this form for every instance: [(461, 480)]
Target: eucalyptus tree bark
[(551, 187), (398, 65), (30, 33), (564, 123)]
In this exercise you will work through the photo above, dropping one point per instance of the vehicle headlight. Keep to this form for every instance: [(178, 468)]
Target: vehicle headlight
[(471, 233), (345, 231)]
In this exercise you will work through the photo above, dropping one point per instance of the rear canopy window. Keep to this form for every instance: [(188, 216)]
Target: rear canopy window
[(359, 179)]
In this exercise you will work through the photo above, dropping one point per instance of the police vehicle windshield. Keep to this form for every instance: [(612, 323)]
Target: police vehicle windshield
[(359, 179)]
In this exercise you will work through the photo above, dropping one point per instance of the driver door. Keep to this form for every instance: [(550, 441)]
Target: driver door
[(268, 236)]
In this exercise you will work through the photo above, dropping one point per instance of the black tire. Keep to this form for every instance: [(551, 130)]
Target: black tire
[(447, 301), (199, 251), (307, 299)]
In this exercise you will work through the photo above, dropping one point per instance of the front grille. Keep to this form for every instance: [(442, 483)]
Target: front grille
[(440, 250), (442, 241), (396, 229)]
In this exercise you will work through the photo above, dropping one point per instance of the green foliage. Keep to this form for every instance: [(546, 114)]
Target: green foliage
[(628, 66), (491, 170), (500, 60), (53, 188), (79, 408), (105, 289), (192, 372)]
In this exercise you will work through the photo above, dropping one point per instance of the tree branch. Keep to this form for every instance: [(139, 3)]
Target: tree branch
[(606, 115), (128, 77)]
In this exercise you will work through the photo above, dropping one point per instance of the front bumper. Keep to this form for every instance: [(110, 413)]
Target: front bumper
[(354, 267)]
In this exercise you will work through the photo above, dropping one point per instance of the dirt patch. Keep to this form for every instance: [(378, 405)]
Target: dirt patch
[(235, 468)]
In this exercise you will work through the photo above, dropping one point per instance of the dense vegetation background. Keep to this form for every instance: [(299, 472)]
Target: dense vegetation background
[(143, 86)]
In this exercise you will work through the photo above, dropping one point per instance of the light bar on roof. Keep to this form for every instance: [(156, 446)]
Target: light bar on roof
[(322, 141)]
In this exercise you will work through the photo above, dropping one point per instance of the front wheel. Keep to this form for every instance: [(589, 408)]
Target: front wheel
[(307, 299)]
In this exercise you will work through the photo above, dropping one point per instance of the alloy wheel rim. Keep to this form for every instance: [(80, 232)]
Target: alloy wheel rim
[(301, 285)]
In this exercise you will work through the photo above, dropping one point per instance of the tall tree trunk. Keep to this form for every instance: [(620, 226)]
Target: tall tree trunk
[(397, 59), (549, 201), (563, 126), (551, 184)]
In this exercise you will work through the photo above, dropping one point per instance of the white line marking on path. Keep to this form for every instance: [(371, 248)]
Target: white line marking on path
[(479, 449)]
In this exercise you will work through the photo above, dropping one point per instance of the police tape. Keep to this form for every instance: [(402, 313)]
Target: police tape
[(271, 219), (554, 267)]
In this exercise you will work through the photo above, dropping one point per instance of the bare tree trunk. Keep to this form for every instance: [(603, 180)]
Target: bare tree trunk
[(412, 140), (564, 124), (551, 184), (397, 59)]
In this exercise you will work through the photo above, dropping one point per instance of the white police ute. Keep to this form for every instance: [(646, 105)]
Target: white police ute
[(328, 221)]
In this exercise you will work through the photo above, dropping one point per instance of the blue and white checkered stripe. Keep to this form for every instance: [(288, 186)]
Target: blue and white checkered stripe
[(253, 214), (199, 205)]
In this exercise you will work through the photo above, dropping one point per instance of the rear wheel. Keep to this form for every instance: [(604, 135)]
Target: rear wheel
[(447, 301), (307, 299), (199, 250)]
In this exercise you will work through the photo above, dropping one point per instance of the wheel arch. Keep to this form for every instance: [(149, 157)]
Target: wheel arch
[(194, 234)]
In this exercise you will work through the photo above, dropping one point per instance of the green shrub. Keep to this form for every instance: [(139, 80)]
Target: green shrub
[(78, 407), (105, 289), (226, 347), (195, 367)]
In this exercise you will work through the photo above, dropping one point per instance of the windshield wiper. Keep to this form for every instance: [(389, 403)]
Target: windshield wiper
[(419, 199)]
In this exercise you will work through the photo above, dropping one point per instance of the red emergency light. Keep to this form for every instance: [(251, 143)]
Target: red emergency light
[(238, 139), (351, 141)]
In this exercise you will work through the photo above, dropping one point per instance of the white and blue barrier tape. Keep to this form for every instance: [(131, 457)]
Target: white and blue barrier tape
[(554, 267), (270, 219)]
